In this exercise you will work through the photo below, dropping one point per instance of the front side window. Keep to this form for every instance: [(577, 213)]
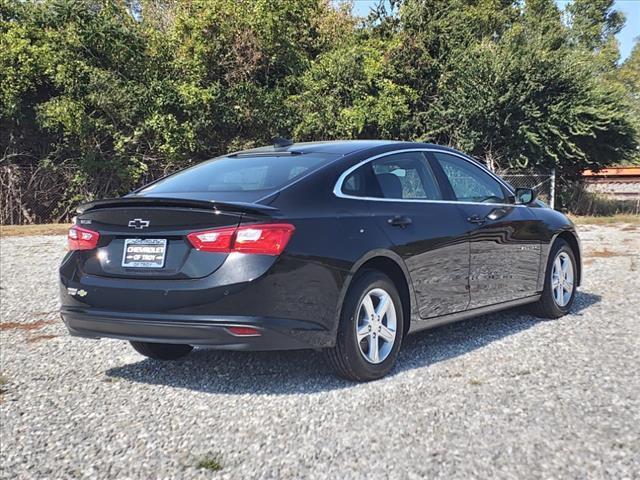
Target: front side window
[(469, 182), (403, 176)]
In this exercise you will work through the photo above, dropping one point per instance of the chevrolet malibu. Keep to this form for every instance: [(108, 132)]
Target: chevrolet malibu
[(343, 246)]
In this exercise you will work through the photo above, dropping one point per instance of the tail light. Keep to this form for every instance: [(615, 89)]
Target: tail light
[(263, 239), (244, 331), (82, 239)]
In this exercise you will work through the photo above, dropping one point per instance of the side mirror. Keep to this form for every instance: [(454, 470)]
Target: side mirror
[(525, 196)]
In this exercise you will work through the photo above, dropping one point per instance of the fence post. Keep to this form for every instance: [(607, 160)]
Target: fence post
[(552, 194)]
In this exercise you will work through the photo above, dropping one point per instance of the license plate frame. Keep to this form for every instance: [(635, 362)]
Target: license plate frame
[(137, 253)]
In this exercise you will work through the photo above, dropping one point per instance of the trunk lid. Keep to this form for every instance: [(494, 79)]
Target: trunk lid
[(162, 225)]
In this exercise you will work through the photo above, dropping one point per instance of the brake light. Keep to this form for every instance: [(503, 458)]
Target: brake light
[(82, 239), (263, 239)]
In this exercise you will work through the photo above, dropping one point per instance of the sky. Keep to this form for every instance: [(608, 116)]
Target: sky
[(630, 8)]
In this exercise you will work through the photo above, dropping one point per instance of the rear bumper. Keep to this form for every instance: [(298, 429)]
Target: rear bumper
[(275, 333)]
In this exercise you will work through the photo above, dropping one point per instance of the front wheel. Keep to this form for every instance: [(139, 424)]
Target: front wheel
[(161, 351), (559, 284), (370, 331)]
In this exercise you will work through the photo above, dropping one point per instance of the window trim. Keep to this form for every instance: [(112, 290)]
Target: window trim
[(337, 189)]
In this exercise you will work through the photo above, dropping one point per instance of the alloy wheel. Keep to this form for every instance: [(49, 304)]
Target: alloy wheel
[(562, 279), (376, 325)]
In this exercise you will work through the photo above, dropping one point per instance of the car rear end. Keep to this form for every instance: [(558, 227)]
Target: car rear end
[(168, 265)]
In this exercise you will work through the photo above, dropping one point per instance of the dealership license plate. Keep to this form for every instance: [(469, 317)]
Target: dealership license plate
[(144, 252)]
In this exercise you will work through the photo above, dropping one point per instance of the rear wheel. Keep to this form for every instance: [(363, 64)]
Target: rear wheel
[(559, 284), (370, 330), (161, 351)]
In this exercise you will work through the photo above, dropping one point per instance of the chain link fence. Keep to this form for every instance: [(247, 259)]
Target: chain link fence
[(43, 194), (33, 195), (542, 182)]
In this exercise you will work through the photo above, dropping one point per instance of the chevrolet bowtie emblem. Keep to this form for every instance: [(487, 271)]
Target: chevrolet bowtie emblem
[(138, 223)]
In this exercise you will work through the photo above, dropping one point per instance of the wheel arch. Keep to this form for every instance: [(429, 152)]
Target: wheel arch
[(394, 267), (572, 239)]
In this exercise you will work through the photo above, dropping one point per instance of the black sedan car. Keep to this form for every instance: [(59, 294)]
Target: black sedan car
[(344, 246)]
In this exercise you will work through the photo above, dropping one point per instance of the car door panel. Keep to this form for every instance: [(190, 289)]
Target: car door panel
[(504, 246), (504, 254), (435, 250)]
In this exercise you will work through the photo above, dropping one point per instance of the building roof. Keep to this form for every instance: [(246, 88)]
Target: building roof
[(614, 172)]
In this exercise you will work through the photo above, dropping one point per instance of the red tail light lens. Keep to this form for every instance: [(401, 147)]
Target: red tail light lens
[(263, 239), (82, 239), (218, 240), (244, 331)]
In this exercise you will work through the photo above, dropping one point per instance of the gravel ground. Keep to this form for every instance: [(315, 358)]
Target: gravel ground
[(500, 396)]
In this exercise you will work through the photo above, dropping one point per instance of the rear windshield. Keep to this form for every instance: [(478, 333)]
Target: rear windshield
[(240, 174)]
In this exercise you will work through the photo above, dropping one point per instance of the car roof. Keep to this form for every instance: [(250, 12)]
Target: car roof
[(338, 147)]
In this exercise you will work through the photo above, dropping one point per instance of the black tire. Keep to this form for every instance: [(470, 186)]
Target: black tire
[(547, 307), (346, 358), (161, 351)]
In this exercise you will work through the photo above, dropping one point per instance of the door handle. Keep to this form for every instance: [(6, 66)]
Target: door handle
[(477, 219), (400, 221)]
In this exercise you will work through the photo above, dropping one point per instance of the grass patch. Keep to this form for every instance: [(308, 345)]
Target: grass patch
[(4, 381), (210, 463), (24, 230), (475, 381), (606, 220)]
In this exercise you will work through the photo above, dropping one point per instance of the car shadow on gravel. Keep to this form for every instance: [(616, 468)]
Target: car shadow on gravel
[(305, 371)]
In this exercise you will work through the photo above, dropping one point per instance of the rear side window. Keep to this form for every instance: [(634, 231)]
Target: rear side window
[(241, 174), (469, 182), (404, 176)]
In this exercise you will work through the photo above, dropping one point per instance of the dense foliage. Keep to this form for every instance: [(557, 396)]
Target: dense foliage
[(103, 94)]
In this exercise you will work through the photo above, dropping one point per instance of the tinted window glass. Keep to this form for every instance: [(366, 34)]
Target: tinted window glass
[(469, 182), (402, 176), (240, 174)]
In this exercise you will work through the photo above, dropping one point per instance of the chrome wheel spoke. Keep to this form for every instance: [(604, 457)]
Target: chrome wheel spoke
[(367, 303), (559, 291), (557, 267), (386, 334), (374, 348), (383, 306), (364, 330)]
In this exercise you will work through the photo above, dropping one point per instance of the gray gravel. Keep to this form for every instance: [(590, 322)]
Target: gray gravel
[(500, 396)]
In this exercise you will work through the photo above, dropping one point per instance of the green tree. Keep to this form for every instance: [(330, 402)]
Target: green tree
[(629, 76), (101, 95)]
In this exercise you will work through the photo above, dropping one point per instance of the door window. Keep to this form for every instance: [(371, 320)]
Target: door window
[(405, 176), (469, 182)]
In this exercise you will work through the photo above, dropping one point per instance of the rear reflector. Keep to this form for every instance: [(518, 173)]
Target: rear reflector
[(244, 331), (262, 239), (82, 239)]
